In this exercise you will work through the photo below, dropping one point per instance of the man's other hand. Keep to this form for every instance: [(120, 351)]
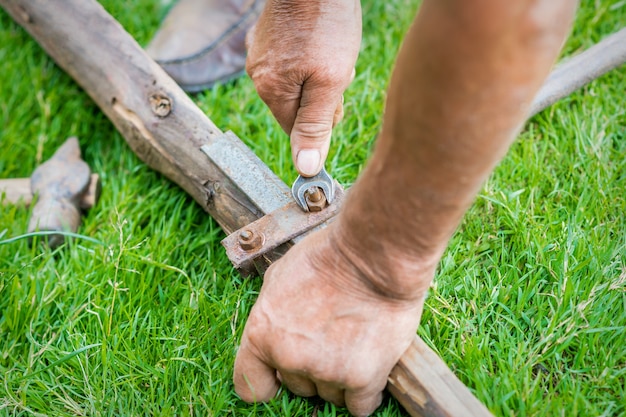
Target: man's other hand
[(321, 328)]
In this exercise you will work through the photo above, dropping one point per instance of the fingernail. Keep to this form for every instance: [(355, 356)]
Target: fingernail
[(308, 162)]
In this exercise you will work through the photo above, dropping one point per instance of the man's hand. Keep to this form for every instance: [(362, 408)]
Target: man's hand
[(321, 328), (301, 58)]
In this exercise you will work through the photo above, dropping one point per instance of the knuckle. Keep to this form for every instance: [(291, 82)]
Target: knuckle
[(363, 412), (249, 39), (274, 89), (358, 382), (365, 380), (330, 75), (264, 85), (289, 362), (265, 81), (292, 358), (244, 392), (325, 372)]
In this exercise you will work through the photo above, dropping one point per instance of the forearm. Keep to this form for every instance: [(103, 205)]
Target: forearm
[(464, 79)]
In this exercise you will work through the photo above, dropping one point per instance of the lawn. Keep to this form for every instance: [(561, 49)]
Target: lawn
[(143, 318)]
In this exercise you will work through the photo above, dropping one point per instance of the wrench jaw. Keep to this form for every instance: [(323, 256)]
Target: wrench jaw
[(302, 185)]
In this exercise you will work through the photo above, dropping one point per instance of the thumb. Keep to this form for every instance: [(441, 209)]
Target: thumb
[(312, 128)]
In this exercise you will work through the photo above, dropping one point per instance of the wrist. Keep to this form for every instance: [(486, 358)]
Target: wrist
[(395, 227), (381, 267), (306, 11)]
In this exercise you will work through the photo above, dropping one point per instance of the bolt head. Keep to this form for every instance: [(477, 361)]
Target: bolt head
[(314, 194), (249, 240), (316, 202)]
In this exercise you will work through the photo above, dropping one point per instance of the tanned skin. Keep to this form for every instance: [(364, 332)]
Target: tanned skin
[(338, 310)]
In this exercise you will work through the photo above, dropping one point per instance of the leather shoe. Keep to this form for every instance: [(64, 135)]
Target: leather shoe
[(202, 42)]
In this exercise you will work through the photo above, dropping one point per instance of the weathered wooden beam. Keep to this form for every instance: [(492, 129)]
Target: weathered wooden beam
[(444, 395), (158, 120)]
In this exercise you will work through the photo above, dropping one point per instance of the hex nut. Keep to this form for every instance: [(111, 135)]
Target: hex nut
[(315, 199), (314, 194), (249, 240)]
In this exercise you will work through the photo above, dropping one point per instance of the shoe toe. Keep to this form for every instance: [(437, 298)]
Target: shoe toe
[(203, 42)]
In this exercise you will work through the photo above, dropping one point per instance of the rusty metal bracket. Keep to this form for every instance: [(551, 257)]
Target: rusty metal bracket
[(281, 220), (287, 223)]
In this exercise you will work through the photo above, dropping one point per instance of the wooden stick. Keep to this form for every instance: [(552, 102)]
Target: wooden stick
[(581, 69), (158, 120), (425, 386)]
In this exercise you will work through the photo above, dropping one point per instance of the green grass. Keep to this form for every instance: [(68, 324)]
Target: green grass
[(528, 307)]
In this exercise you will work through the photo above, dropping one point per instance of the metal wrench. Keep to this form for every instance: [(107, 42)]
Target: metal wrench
[(305, 187)]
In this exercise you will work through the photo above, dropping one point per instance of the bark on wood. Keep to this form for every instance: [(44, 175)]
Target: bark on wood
[(425, 386), (158, 120), (581, 69)]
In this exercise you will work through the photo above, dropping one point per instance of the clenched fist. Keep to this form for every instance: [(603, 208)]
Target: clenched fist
[(321, 328)]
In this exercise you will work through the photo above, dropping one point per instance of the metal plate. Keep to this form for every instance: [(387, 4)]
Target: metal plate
[(278, 227), (253, 178)]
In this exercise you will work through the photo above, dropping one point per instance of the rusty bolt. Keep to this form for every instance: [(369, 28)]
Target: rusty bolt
[(314, 194), (249, 240), (315, 199)]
